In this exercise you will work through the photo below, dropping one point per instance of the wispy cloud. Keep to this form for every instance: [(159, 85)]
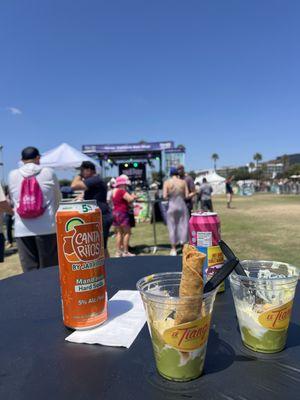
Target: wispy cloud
[(14, 110)]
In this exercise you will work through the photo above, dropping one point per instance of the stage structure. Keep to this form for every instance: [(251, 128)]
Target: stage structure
[(134, 158), (174, 157)]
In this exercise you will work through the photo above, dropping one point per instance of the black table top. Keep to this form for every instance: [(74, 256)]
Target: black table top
[(37, 363)]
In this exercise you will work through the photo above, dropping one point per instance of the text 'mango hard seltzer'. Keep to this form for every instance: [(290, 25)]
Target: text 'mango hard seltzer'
[(81, 264)]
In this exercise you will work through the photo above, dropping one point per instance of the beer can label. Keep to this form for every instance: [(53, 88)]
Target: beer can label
[(81, 265), (213, 261), (204, 229), (204, 239)]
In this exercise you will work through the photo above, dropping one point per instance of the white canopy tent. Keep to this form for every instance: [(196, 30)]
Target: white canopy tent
[(216, 181), (65, 157)]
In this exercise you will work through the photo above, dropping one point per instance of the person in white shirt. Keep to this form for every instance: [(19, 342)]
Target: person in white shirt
[(36, 237), (4, 208)]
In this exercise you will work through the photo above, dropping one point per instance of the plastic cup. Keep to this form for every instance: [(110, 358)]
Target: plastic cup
[(179, 349), (263, 303)]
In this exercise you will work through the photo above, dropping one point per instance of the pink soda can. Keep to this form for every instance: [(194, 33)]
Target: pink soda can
[(205, 233)]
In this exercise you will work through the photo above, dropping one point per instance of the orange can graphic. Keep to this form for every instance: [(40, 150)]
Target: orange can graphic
[(81, 264)]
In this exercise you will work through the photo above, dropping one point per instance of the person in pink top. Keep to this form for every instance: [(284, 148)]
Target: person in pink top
[(121, 200)]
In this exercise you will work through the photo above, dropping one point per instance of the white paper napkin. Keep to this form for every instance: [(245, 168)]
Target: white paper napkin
[(126, 317)]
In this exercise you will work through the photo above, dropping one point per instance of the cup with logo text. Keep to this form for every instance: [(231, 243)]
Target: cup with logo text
[(179, 349), (263, 301)]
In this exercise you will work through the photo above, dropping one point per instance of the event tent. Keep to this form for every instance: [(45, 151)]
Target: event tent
[(216, 181), (65, 157)]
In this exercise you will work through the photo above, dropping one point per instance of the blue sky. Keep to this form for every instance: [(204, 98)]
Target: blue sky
[(218, 76)]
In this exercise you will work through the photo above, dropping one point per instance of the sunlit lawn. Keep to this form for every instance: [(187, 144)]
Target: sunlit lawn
[(262, 226)]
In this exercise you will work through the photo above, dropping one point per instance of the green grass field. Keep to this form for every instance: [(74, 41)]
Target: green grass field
[(263, 226)]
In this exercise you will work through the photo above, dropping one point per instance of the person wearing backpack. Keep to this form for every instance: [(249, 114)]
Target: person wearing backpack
[(36, 195)]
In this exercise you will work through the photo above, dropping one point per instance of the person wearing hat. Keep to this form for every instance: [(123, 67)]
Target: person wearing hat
[(94, 188), (121, 200), (176, 191), (35, 234)]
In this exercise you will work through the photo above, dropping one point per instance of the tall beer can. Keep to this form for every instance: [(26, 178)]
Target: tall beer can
[(81, 264), (205, 233)]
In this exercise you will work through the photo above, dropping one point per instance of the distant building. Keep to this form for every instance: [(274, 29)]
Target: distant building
[(223, 171), (227, 170), (280, 164), (289, 159), (203, 172), (274, 168), (271, 168)]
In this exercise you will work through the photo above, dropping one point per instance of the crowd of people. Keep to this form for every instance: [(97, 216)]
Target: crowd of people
[(35, 230), (114, 201), (180, 192)]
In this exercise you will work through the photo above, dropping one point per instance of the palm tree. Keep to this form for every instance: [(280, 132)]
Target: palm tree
[(251, 166), (215, 157), (257, 157)]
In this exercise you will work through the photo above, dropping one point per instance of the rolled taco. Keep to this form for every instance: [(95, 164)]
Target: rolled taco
[(191, 284)]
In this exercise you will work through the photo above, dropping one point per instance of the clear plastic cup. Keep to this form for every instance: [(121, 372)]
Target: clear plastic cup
[(179, 349), (263, 303)]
